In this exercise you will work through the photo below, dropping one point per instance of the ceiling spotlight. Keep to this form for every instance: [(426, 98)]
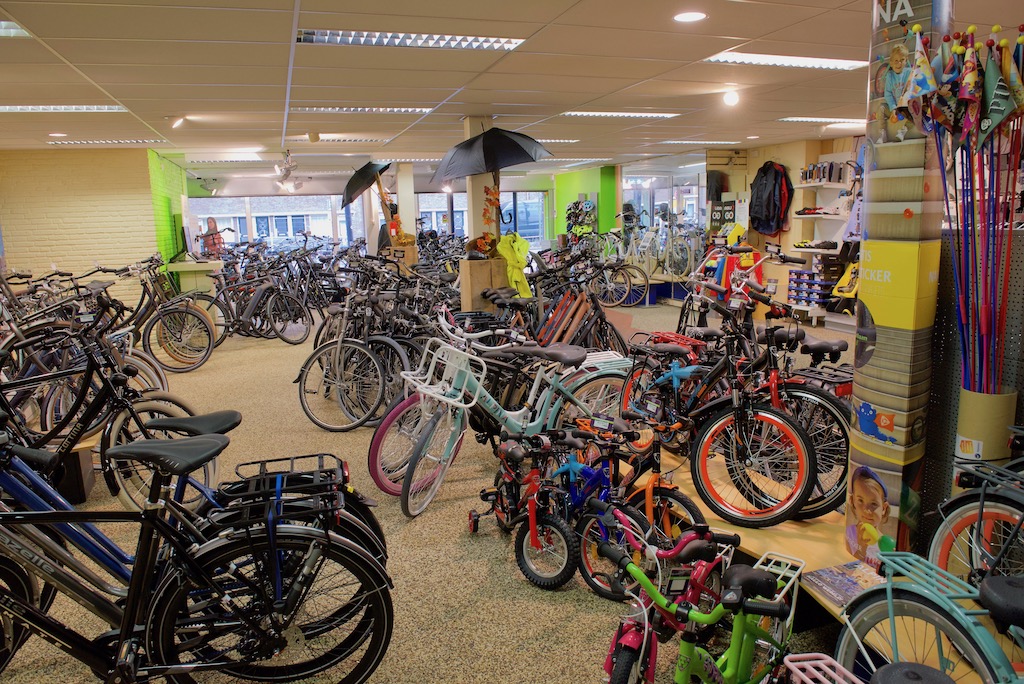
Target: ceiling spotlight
[(690, 17), (177, 122), (753, 137), (731, 98), (446, 188), (58, 135)]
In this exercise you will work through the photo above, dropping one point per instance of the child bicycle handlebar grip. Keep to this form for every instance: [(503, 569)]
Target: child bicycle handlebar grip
[(631, 415), (775, 610), (754, 285), (616, 555), (740, 249), (758, 297), (714, 287), (726, 539), (792, 260), (598, 505)]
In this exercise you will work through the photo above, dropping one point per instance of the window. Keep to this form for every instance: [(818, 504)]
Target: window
[(298, 224), (524, 212), (262, 227), (242, 230), (281, 226)]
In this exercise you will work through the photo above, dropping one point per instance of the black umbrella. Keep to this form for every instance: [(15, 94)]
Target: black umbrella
[(492, 150), (361, 180)]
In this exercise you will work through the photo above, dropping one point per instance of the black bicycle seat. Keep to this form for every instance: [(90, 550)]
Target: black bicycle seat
[(218, 422), (668, 348), (559, 352), (824, 346), (448, 277), (334, 309), (783, 336), (909, 673), (173, 456), (1003, 596), (705, 333)]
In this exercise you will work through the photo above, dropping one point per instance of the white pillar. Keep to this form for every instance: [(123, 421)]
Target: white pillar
[(475, 125), (406, 192)]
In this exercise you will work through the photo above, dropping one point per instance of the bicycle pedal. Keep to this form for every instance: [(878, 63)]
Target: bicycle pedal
[(489, 494), (481, 438)]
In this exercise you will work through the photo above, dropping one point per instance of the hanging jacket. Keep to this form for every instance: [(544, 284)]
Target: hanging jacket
[(771, 196)]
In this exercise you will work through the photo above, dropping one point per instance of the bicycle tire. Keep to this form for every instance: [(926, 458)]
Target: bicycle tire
[(341, 384), (590, 531), (179, 340), (394, 360), (13, 635), (952, 543), (870, 619), (611, 286), (151, 375), (288, 317), (435, 450), (760, 489), (599, 394), (639, 285), (627, 669), (557, 542), (132, 477), (673, 513), (219, 315), (394, 440), (826, 421), (184, 621)]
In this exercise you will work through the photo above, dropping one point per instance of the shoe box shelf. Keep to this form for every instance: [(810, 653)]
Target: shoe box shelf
[(811, 288)]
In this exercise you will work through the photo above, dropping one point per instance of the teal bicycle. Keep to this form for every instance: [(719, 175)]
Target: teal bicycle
[(451, 383), (924, 614)]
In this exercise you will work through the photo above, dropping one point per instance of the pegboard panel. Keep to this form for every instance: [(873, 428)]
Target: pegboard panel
[(946, 376)]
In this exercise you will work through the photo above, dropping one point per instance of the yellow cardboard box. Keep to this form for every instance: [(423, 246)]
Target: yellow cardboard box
[(899, 282)]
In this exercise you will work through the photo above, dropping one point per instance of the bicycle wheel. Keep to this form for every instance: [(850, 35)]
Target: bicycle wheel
[(917, 631), (600, 395), (394, 361), (288, 317), (341, 385), (827, 423), (672, 513), (128, 479), (151, 375), (339, 630), (15, 581), (596, 570), (627, 669), (394, 440), (756, 472), (555, 562), (953, 546), (639, 285), (179, 340), (218, 312), (611, 286), (436, 448)]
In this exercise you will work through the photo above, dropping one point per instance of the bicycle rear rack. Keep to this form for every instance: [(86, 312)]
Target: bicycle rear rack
[(815, 668), (787, 571)]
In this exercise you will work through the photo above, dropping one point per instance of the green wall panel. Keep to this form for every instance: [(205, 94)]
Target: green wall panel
[(599, 181), (167, 184)]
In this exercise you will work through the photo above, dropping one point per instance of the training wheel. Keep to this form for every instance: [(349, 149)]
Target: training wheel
[(474, 522)]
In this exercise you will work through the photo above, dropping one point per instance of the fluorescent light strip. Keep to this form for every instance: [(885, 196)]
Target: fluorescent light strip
[(255, 160), (107, 142), (624, 115), (699, 142), (62, 108), (8, 29), (392, 161), (821, 119), (556, 140), (690, 166), (360, 110), (756, 59), (578, 160), (413, 40), (337, 139)]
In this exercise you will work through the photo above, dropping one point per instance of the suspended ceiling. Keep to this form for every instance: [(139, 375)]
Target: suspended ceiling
[(232, 67)]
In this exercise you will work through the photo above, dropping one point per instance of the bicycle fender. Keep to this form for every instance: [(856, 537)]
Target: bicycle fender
[(1001, 494), (630, 635)]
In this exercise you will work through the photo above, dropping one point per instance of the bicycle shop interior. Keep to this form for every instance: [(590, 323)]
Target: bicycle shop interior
[(517, 338)]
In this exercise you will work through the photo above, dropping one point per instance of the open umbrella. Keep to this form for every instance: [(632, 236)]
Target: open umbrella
[(492, 150), (364, 177)]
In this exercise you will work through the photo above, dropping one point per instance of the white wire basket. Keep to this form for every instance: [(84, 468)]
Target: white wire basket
[(447, 374)]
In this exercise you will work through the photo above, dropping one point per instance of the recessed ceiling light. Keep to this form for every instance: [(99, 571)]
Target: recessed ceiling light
[(848, 125), (107, 142), (625, 115), (690, 166), (177, 122), (689, 17), (410, 159), (360, 110), (577, 160), (822, 119), (731, 98), (699, 142), (61, 108), (327, 137), (58, 135), (413, 40), (786, 61), (753, 137), (556, 140), (8, 29)]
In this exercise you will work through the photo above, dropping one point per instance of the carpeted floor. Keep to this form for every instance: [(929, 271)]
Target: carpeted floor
[(463, 611)]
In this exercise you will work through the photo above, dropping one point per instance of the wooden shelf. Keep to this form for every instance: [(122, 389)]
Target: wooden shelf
[(816, 250), (816, 186), (827, 217)]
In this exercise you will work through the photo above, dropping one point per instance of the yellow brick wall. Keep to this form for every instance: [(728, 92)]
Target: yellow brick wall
[(74, 208)]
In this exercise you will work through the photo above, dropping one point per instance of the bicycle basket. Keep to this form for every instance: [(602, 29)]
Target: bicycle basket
[(447, 374)]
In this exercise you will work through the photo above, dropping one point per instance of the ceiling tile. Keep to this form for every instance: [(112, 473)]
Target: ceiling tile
[(382, 96), (541, 11), (172, 53), (803, 48), (581, 65), (394, 58), (41, 74), (172, 93), (81, 93), (635, 44), (336, 21), (107, 75), (856, 31), (554, 84), (25, 51), (393, 78)]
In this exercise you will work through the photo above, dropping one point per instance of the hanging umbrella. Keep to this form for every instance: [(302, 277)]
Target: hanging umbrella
[(364, 177), (492, 150)]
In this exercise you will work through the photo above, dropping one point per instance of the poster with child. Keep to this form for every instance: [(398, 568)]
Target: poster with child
[(871, 518)]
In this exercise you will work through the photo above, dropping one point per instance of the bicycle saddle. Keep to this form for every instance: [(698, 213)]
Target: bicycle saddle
[(516, 303), (334, 309), (1004, 598), (823, 346), (669, 348), (559, 352), (705, 333), (750, 582), (787, 337), (218, 422), (173, 456), (448, 277)]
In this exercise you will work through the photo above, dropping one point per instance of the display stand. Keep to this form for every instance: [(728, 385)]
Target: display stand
[(477, 275), (195, 275)]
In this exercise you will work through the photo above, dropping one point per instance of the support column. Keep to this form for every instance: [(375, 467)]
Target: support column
[(899, 267), (475, 125), (406, 192)]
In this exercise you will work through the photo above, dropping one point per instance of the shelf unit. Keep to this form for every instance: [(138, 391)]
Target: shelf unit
[(814, 186), (816, 250), (825, 217)]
